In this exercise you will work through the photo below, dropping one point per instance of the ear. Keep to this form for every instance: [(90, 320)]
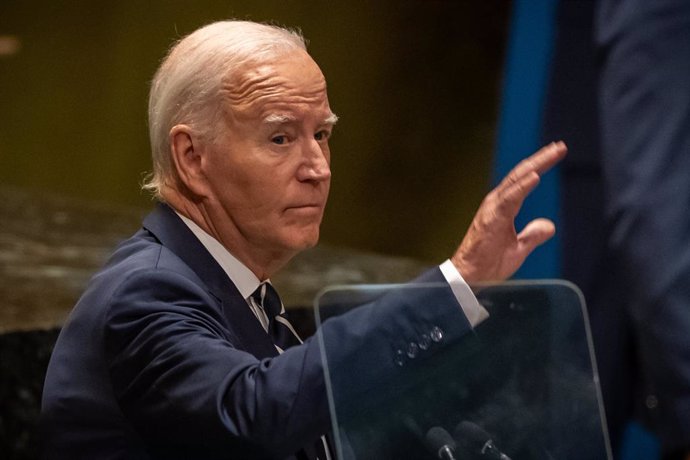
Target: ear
[(188, 155)]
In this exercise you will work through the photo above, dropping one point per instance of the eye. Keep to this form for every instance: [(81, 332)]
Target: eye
[(322, 135), (279, 140)]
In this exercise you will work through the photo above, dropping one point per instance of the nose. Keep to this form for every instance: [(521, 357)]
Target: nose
[(315, 166)]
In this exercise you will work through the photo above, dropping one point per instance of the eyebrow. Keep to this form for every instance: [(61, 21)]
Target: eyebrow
[(277, 118), (332, 119)]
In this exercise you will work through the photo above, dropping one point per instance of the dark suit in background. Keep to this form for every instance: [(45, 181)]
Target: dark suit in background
[(162, 358), (620, 96), (644, 105)]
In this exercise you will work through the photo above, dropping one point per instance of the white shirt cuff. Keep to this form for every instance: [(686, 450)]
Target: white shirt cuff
[(474, 312)]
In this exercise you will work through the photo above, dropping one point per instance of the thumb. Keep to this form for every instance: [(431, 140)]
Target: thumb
[(534, 234)]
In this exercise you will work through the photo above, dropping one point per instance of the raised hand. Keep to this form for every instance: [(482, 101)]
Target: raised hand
[(492, 250)]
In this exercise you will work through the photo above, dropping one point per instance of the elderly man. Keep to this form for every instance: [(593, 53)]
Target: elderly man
[(177, 349)]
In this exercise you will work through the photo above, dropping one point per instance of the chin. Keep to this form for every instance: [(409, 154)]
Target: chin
[(307, 238), (309, 243), (296, 236)]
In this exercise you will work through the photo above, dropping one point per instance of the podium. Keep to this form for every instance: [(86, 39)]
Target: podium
[(525, 378)]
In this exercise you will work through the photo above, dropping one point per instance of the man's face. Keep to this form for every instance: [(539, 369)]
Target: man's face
[(269, 171)]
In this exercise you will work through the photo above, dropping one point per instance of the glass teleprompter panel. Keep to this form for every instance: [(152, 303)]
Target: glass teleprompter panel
[(524, 379)]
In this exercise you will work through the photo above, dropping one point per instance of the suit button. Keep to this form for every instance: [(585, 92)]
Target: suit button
[(412, 350), (399, 358), (651, 402), (436, 334), (424, 342)]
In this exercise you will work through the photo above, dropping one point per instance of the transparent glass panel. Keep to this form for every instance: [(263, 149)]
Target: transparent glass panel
[(525, 378)]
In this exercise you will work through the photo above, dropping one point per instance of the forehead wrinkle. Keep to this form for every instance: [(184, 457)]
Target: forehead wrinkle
[(263, 82), (242, 90)]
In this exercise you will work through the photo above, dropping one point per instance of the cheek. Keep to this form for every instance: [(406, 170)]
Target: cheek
[(249, 187), (261, 203)]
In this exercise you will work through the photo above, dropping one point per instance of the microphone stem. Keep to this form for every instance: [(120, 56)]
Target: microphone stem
[(446, 453)]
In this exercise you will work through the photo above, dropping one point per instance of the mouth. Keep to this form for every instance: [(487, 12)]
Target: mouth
[(305, 206), (305, 209)]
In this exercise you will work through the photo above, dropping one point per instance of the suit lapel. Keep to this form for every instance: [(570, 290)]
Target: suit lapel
[(169, 229)]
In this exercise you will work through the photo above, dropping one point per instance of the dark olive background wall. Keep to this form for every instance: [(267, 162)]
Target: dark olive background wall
[(415, 83)]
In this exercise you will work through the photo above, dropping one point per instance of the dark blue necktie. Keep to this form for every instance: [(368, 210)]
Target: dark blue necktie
[(280, 330), (284, 337)]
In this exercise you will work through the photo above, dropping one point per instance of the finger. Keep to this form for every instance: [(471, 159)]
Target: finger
[(521, 180), (534, 234), (512, 196), (540, 162)]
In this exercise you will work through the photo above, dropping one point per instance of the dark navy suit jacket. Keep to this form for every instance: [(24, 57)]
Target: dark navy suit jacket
[(162, 358)]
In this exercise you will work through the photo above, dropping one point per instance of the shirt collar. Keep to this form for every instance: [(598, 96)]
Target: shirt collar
[(241, 276)]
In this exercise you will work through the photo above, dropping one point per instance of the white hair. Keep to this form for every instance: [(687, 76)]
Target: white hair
[(186, 88)]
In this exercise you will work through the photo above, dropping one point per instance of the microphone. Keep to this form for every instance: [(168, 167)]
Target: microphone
[(440, 442), (475, 439)]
